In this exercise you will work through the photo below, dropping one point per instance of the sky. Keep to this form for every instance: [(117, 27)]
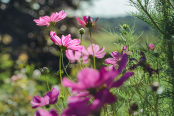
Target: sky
[(106, 8)]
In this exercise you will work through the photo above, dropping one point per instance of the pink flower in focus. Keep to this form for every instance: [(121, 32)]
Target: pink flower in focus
[(98, 53), (87, 22), (65, 42), (49, 98), (41, 112), (75, 56), (151, 46), (46, 20)]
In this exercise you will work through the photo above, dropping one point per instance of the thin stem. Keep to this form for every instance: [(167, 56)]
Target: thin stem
[(58, 107), (92, 48), (65, 68), (147, 101), (60, 70), (47, 82), (63, 103), (81, 59), (113, 110)]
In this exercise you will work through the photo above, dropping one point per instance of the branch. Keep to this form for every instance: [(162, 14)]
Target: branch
[(149, 17), (170, 4)]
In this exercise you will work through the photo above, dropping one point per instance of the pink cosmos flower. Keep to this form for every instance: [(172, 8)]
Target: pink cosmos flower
[(92, 80), (46, 20), (116, 57), (151, 46), (76, 56), (41, 112), (65, 42), (87, 22), (98, 53), (49, 98)]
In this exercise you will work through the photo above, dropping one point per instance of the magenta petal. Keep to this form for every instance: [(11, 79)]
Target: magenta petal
[(55, 38), (116, 55), (67, 83), (95, 21), (80, 22), (119, 82), (101, 98), (53, 95), (104, 95), (123, 63), (88, 77), (77, 107), (110, 61), (39, 101), (53, 112), (84, 18), (41, 112)]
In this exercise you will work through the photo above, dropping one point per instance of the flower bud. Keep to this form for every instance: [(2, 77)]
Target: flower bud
[(155, 86), (125, 26), (151, 46), (45, 70), (81, 31)]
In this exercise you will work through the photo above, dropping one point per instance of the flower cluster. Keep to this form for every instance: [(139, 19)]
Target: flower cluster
[(97, 84), (92, 85)]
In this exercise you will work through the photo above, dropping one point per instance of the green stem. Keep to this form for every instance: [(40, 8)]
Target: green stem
[(81, 59), (92, 48), (47, 82), (66, 73), (58, 107), (63, 103), (65, 68), (60, 71), (147, 101)]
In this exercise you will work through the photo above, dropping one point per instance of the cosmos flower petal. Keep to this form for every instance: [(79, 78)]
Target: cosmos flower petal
[(119, 82), (80, 22)]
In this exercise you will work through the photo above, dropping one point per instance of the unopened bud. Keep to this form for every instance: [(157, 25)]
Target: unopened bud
[(81, 31), (45, 70), (125, 26), (155, 86)]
